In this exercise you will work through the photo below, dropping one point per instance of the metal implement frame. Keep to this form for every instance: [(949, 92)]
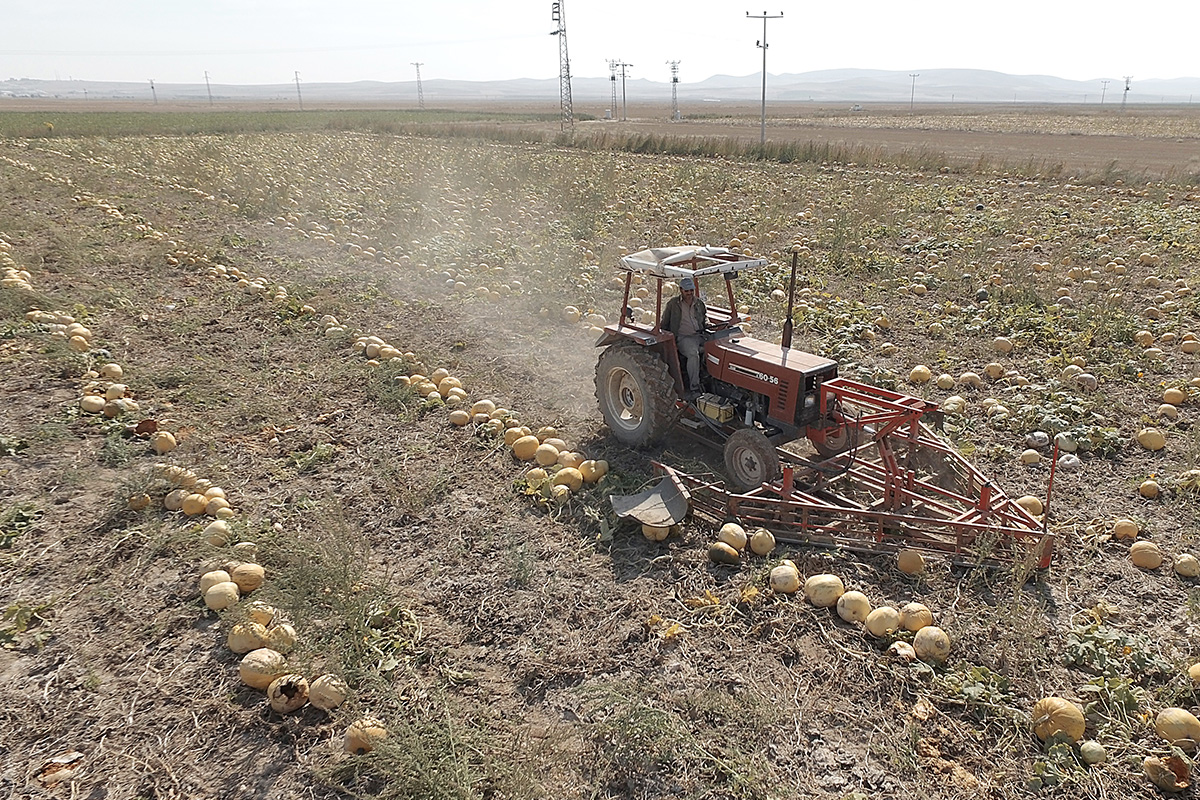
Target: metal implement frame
[(897, 486)]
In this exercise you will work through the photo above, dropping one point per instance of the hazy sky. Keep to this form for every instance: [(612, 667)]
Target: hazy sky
[(267, 41)]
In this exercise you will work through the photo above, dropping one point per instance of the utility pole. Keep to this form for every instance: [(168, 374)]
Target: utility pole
[(208, 87), (612, 79), (564, 65), (420, 91), (1128, 78), (674, 90), (624, 116), (912, 98), (762, 139), (298, 97), (1103, 89), (153, 93)]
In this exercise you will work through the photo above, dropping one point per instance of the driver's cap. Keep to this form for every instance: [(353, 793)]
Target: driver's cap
[(687, 283)]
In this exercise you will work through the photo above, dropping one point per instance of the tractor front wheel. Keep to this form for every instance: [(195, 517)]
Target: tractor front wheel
[(750, 459), (636, 394)]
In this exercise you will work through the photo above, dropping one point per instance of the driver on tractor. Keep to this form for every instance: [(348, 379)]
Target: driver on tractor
[(685, 316)]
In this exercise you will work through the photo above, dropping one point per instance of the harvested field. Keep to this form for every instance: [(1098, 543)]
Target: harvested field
[(519, 646)]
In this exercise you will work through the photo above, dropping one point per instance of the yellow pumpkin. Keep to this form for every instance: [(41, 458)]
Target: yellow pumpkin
[(328, 692), (910, 562), (363, 735), (1145, 554), (1054, 715), (784, 579), (932, 644), (526, 447), (915, 616), (1178, 727), (883, 621), (259, 667), (853, 606), (823, 591), (733, 535)]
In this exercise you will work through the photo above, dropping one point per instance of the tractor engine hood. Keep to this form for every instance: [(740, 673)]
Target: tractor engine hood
[(784, 376)]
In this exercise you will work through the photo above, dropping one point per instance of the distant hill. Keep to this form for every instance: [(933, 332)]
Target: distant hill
[(822, 86)]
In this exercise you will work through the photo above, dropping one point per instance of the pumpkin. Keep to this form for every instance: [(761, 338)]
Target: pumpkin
[(460, 418), (1125, 529), (1145, 554), (282, 638), (259, 667), (1175, 397), (247, 576), (246, 636), (733, 535), (260, 612), (823, 590), (212, 578), (512, 434), (287, 693), (593, 470), (1186, 565), (546, 454), (162, 442), (1054, 715), (932, 644), (217, 533), (569, 477), (1152, 438), (569, 458), (656, 533), (1171, 774), (1194, 674), (215, 506), (328, 692), (1149, 489), (194, 504), (910, 562), (112, 372), (919, 374), (902, 650), (784, 579), (883, 621), (915, 616), (246, 551), (526, 447), (92, 404), (1031, 504), (363, 735), (1178, 727), (221, 596), (762, 542), (723, 553), (853, 606)]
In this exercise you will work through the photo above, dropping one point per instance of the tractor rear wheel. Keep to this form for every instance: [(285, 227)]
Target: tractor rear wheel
[(636, 394), (750, 459)]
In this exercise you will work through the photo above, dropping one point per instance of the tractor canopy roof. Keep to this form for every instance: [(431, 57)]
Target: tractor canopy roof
[(685, 262)]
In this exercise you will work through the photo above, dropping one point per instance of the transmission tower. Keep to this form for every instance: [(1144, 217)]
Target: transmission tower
[(1103, 89), (674, 89), (564, 65), (420, 91), (1128, 78), (208, 86), (299, 99), (153, 93), (612, 79)]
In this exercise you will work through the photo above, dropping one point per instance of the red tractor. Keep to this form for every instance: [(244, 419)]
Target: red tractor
[(755, 395), (881, 479)]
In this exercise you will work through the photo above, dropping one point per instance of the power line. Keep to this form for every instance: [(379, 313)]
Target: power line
[(1128, 79), (624, 116), (208, 87), (1103, 89), (153, 93), (912, 98), (298, 97), (762, 140), (612, 79)]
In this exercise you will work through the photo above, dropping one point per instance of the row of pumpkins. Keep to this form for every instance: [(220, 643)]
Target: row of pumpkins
[(263, 639), (930, 643), (560, 470)]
